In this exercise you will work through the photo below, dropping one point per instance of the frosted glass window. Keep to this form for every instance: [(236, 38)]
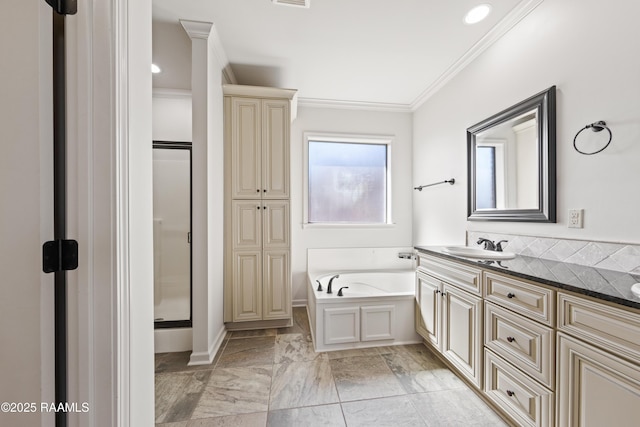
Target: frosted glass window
[(347, 182)]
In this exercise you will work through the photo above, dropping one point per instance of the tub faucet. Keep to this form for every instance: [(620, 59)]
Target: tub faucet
[(489, 245), (330, 282)]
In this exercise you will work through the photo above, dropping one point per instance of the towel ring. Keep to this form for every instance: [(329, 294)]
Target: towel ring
[(596, 127)]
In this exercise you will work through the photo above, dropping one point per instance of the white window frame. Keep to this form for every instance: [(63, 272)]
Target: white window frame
[(350, 139)]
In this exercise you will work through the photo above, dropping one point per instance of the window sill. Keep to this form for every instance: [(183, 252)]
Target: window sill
[(347, 226)]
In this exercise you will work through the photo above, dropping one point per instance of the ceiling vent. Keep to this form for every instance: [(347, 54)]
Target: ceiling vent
[(296, 3)]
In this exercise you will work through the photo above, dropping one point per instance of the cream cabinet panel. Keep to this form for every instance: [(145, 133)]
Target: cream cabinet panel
[(515, 393), (275, 140), (596, 388), (246, 149), (521, 341), (609, 327), (277, 286), (428, 308), (462, 331), (247, 225), (528, 299), (247, 286), (463, 276), (276, 223)]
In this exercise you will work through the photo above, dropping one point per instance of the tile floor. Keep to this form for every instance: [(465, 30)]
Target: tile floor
[(274, 378)]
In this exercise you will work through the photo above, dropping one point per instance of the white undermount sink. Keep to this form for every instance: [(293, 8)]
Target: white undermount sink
[(470, 252)]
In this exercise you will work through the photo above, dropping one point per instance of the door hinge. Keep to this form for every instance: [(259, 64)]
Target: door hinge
[(64, 7), (59, 255)]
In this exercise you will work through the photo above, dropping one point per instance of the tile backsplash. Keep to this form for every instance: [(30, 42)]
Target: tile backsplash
[(608, 256)]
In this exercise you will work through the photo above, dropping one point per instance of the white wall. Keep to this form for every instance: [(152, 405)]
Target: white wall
[(356, 122), (26, 215), (172, 115), (589, 50)]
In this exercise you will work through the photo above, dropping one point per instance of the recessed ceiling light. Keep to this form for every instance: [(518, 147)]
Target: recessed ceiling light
[(477, 14), (155, 69)]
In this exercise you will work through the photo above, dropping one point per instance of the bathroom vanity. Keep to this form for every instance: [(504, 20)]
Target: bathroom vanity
[(548, 343)]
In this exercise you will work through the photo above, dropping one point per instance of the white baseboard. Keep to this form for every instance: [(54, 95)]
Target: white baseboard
[(205, 358), (299, 302), (173, 340)]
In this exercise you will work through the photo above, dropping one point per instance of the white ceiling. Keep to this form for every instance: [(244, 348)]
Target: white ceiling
[(392, 53)]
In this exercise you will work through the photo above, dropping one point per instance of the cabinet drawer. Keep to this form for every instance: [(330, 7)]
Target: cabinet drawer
[(521, 341), (463, 276), (531, 300), (527, 402), (611, 328)]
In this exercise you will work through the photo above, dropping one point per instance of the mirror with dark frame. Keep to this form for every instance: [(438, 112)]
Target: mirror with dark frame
[(511, 162)]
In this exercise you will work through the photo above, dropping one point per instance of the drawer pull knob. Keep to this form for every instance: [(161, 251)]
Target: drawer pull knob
[(510, 393), (437, 291), (510, 295), (511, 339)]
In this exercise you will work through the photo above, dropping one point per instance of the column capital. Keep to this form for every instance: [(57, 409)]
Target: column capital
[(197, 29)]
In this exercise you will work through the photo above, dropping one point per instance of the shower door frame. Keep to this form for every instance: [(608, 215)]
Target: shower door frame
[(187, 323)]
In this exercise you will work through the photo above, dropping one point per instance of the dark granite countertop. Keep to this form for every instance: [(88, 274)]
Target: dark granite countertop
[(608, 285)]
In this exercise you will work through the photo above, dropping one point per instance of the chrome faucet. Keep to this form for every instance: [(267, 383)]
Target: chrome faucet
[(489, 245), (330, 282), (499, 245)]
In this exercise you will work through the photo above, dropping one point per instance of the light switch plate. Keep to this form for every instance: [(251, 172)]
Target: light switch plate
[(576, 218)]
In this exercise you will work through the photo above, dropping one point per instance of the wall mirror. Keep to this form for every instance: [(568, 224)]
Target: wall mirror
[(511, 163)]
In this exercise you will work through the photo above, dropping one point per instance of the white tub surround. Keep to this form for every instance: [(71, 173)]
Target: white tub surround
[(376, 308)]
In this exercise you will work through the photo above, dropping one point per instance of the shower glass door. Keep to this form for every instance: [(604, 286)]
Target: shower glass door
[(172, 234)]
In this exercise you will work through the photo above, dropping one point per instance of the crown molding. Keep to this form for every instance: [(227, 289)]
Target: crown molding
[(499, 30), (354, 105), (207, 31), (160, 92)]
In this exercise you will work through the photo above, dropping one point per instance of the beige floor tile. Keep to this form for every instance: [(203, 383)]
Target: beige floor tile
[(256, 419), (248, 352), (311, 416), (299, 384), (177, 394), (389, 411), (455, 408), (235, 390), (368, 377), (295, 348)]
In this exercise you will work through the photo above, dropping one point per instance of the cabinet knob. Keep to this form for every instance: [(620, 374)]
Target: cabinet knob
[(510, 393), (258, 190), (257, 207), (264, 191), (511, 339), (444, 294), (437, 291), (510, 295)]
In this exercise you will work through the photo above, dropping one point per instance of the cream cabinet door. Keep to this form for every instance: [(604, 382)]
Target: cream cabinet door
[(246, 149), (428, 314), (247, 225), (277, 285), (461, 331), (275, 149), (275, 217), (247, 286), (595, 388)]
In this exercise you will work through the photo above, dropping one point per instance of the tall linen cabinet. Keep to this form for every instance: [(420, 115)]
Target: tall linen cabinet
[(257, 283)]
